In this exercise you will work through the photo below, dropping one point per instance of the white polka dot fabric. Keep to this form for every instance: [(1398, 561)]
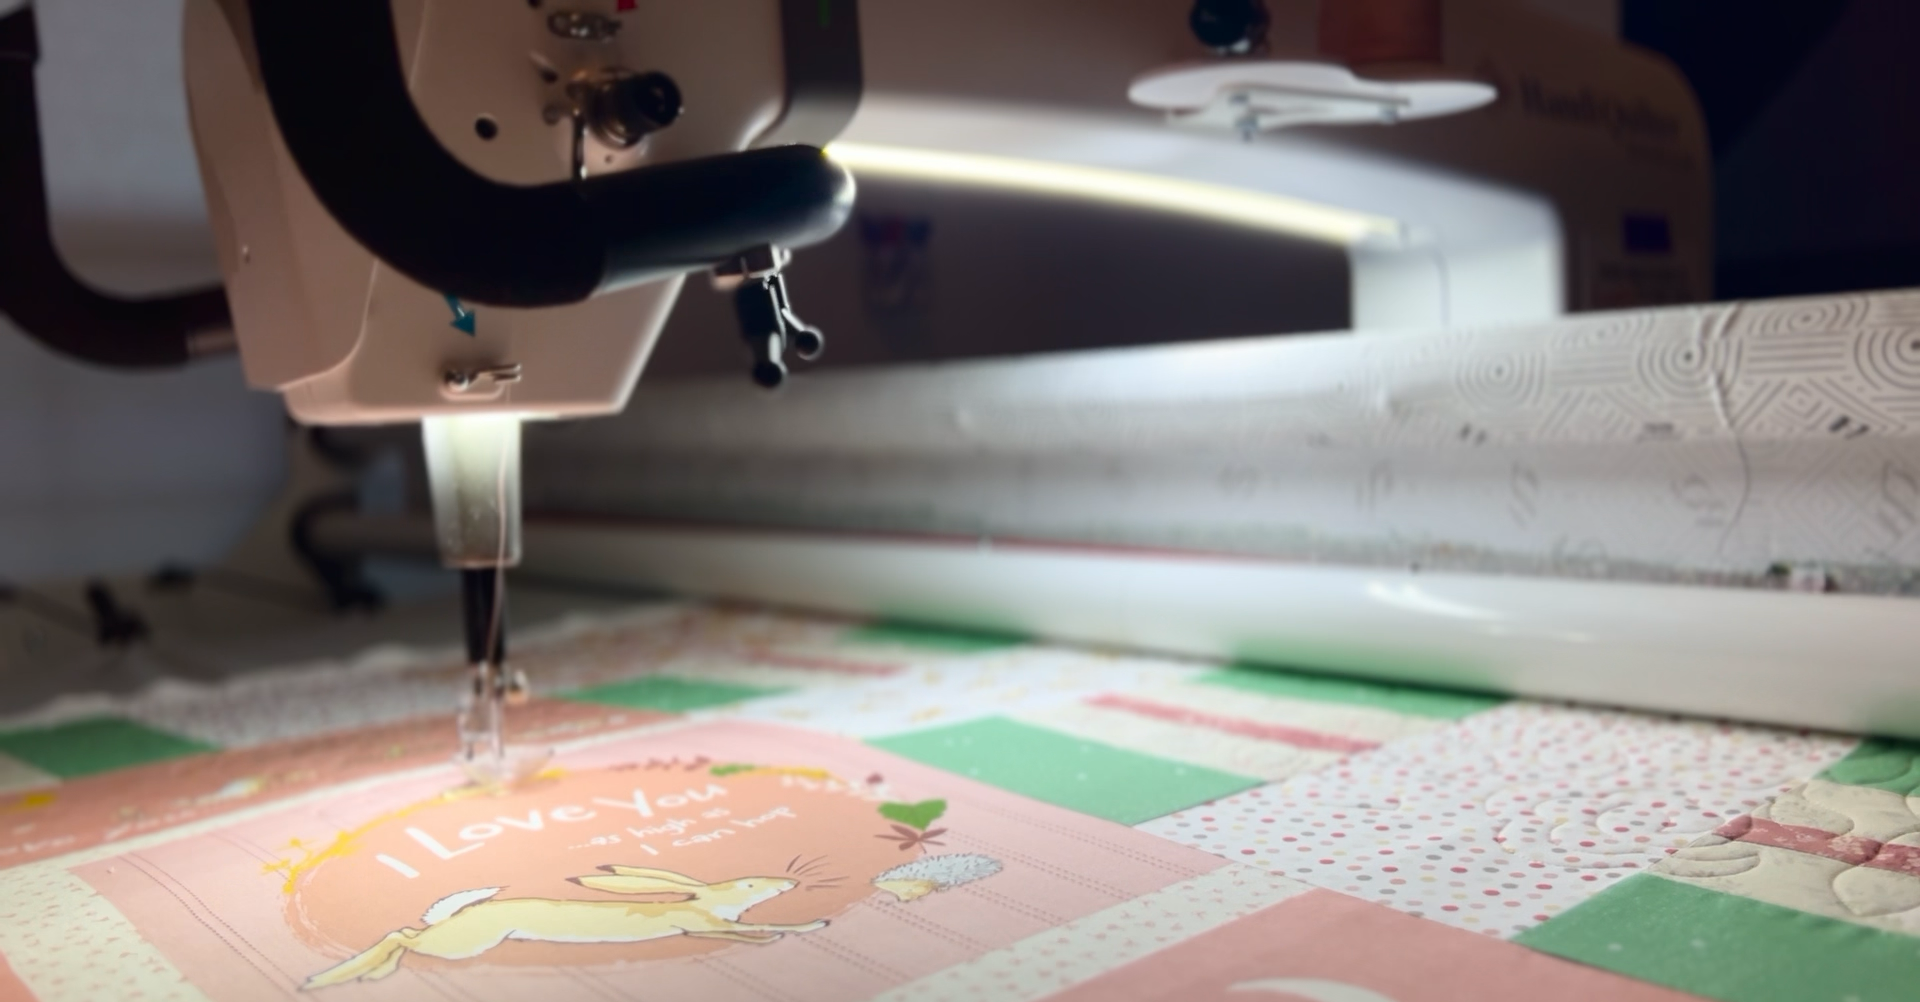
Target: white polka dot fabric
[(66, 942), (939, 690), (1509, 817)]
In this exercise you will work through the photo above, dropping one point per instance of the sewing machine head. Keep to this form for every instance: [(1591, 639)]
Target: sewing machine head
[(412, 287), (471, 216), (515, 245)]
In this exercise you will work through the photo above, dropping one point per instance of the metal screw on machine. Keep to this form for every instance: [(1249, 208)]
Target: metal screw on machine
[(765, 313), (583, 26), (620, 107), (623, 107)]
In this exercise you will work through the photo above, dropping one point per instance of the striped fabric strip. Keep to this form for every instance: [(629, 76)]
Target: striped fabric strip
[(1854, 850), (1295, 736)]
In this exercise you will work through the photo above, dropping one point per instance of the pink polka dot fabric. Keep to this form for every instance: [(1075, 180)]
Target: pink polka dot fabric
[(1511, 816)]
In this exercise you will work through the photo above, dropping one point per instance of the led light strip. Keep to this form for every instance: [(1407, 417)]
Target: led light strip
[(1219, 203)]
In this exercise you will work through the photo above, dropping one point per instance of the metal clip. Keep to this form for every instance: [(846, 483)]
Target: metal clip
[(465, 382), (765, 261), (767, 321)]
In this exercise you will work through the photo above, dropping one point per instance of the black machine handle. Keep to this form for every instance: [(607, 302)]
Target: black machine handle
[(44, 299), (334, 78)]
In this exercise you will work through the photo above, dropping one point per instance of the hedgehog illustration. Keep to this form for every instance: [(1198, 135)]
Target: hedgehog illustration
[(935, 873)]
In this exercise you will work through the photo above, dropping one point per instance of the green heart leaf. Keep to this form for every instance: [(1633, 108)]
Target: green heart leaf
[(918, 815)]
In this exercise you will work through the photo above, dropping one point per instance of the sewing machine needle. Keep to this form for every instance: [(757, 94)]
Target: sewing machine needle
[(483, 713)]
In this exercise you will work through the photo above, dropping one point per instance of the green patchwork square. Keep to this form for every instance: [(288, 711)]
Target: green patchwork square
[(1417, 701), (1881, 763), (669, 694), (1728, 947), (1085, 776), (101, 744), (950, 640)]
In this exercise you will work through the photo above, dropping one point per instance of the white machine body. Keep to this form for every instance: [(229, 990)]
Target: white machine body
[(1518, 211), (1514, 211), (347, 340)]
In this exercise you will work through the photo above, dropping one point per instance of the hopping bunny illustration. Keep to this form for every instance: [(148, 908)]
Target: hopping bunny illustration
[(467, 924)]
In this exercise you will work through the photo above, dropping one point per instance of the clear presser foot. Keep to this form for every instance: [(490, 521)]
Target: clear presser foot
[(484, 755)]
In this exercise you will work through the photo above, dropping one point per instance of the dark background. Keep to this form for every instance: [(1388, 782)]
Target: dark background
[(1813, 107)]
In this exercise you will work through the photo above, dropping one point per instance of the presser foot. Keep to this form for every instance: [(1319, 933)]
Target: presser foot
[(484, 754)]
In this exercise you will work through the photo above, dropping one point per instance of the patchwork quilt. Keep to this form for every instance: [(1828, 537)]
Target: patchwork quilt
[(737, 804)]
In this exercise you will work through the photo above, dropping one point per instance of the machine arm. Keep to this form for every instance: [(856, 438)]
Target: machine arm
[(339, 94), (45, 300)]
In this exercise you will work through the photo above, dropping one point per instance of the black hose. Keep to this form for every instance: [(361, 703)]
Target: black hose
[(37, 292), (334, 77)]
